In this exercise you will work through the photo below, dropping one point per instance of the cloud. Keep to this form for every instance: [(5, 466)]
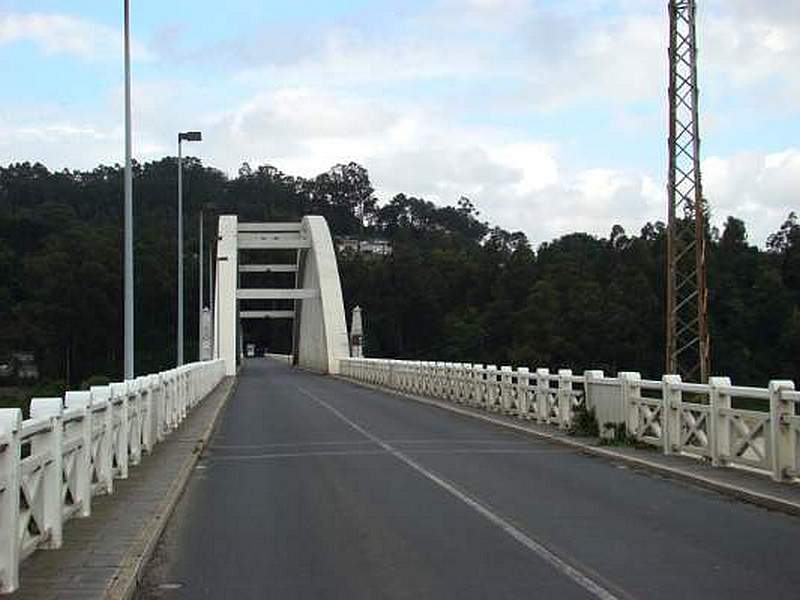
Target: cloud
[(540, 112), (66, 34), (759, 188)]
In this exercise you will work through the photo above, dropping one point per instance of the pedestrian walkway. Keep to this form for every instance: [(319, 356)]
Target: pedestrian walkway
[(102, 555)]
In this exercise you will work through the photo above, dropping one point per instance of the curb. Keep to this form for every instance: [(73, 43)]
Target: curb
[(126, 580), (751, 497)]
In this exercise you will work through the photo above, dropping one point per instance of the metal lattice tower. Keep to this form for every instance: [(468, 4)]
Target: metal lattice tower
[(687, 292)]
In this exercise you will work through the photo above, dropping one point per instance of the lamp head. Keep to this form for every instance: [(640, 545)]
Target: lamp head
[(190, 136)]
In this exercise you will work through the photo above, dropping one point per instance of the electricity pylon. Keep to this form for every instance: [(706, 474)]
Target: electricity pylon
[(687, 291)]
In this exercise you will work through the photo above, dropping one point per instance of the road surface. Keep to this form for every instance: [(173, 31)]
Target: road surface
[(317, 488)]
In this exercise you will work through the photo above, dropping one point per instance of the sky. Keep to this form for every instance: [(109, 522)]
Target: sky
[(551, 116)]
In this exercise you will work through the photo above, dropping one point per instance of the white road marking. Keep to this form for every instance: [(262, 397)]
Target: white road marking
[(275, 455), (587, 583)]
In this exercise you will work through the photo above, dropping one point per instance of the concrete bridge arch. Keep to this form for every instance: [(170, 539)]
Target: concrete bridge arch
[(320, 331)]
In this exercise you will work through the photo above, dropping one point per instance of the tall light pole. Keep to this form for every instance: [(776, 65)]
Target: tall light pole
[(189, 136), (128, 285), (200, 291)]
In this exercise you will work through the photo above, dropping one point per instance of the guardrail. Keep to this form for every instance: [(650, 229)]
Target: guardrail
[(754, 428), (72, 449)]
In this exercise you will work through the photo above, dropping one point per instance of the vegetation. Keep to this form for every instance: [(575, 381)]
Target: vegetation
[(454, 288)]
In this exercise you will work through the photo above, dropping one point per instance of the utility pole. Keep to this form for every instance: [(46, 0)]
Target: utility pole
[(687, 352)]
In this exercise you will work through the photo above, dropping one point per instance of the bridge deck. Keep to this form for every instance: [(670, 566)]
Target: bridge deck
[(316, 488)]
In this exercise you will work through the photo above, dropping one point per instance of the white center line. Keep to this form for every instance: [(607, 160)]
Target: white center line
[(559, 564)]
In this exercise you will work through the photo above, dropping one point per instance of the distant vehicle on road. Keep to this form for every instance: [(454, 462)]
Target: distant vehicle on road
[(250, 350)]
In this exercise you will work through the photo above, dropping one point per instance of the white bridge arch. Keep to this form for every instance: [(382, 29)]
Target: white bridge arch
[(320, 331)]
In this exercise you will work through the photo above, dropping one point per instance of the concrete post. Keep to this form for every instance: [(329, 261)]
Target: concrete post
[(490, 387), (104, 461), (10, 457), (52, 476), (505, 388), (564, 398), (356, 334), (631, 390), (135, 430), (146, 389), (719, 423), (780, 436), (83, 460), (119, 399), (523, 392), (671, 398), (542, 391)]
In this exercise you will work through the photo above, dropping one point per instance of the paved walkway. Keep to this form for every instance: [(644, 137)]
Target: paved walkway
[(100, 553), (314, 487)]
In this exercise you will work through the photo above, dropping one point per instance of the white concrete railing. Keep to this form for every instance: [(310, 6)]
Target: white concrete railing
[(70, 450), (699, 420)]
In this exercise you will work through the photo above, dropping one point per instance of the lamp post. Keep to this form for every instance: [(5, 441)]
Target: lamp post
[(188, 136), (128, 208), (200, 291)]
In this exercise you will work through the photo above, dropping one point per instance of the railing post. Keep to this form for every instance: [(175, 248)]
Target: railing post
[(135, 416), (476, 376), (83, 460), (104, 460), (542, 391), (671, 399), (718, 427), (146, 404), (10, 457), (564, 398), (780, 436), (490, 387), (523, 392), (119, 395), (505, 388), (53, 474), (630, 381)]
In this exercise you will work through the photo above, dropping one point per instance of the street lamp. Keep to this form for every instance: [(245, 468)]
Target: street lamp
[(187, 136), (128, 207)]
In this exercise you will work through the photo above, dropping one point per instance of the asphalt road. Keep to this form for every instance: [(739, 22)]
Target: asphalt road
[(316, 488)]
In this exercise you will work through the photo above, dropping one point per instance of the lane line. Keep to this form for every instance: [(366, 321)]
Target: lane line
[(362, 442), (272, 456), (288, 445), (583, 580), (445, 451)]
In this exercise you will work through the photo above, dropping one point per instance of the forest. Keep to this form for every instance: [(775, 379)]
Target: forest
[(454, 288)]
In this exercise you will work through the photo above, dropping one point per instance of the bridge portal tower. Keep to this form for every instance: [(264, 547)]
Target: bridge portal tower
[(314, 303), (687, 292)]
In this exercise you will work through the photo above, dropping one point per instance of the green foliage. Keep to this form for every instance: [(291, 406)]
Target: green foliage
[(621, 437), (584, 423), (455, 288)]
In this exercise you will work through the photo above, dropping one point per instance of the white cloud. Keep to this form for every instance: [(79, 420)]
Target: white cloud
[(66, 34), (759, 188), (441, 103)]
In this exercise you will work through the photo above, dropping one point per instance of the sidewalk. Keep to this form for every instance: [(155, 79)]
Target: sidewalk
[(741, 484), (103, 554)]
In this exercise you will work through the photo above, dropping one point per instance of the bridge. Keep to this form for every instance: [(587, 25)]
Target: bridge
[(318, 475)]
